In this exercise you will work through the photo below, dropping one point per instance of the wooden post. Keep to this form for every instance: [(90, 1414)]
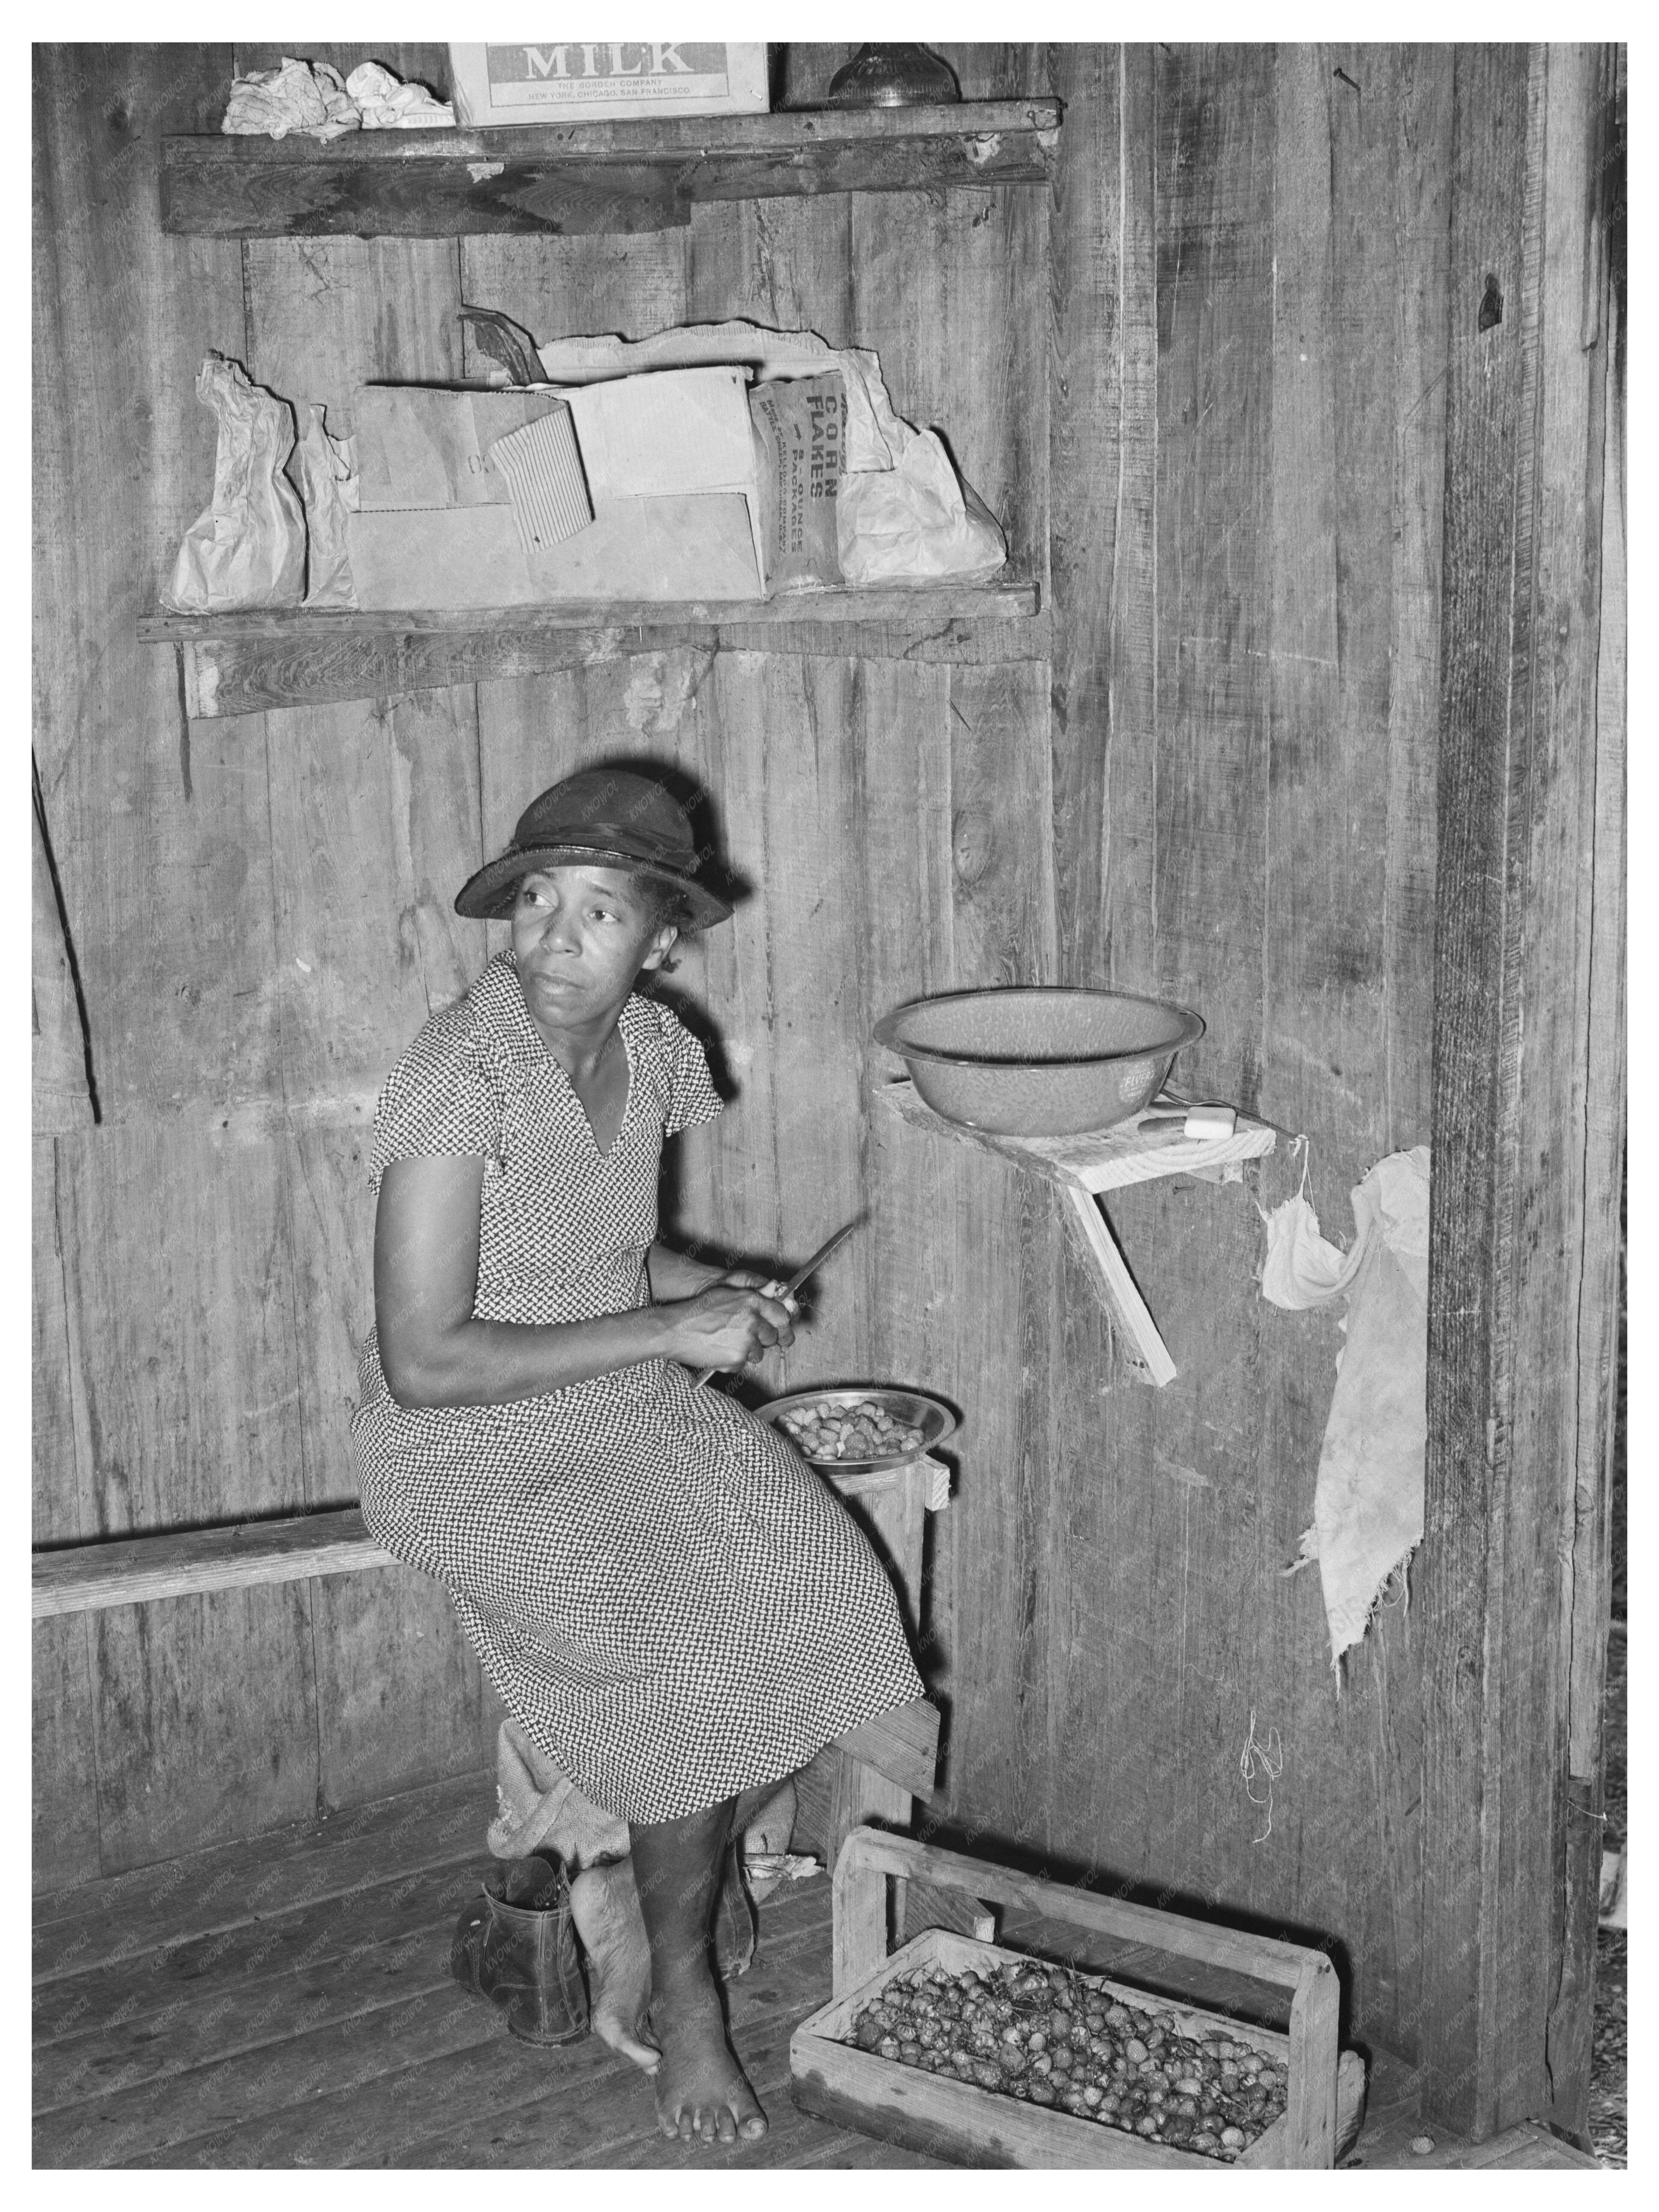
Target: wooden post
[(839, 1790), (1528, 1084)]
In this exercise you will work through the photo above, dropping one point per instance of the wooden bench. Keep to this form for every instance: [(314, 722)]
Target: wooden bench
[(873, 1773), (134, 1570)]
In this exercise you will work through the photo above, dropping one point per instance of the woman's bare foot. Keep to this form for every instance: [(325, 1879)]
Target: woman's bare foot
[(701, 2092)]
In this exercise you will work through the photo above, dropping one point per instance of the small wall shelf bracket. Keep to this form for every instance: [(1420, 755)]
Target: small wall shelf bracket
[(1082, 1168)]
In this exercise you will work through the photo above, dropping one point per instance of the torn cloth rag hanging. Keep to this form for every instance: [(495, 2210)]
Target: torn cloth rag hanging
[(1368, 1499)]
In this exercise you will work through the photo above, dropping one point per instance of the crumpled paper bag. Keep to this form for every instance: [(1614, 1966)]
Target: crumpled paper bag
[(248, 548), (914, 520), (1368, 1498), (900, 514), (328, 488)]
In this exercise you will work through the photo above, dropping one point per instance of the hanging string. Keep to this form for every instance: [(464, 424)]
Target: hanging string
[(1300, 1150), (1261, 1762)]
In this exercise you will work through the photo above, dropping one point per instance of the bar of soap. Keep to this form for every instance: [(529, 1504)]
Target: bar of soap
[(1211, 1121)]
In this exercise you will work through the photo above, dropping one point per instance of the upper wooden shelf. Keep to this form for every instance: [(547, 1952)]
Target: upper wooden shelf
[(565, 178), (242, 664)]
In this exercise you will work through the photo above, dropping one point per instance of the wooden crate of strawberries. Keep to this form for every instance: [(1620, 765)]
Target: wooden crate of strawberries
[(990, 2057)]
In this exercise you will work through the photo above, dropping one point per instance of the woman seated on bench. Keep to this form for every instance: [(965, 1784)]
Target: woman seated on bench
[(669, 1601)]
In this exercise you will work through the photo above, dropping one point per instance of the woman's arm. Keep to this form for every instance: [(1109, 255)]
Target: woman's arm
[(434, 1352), (677, 1275)]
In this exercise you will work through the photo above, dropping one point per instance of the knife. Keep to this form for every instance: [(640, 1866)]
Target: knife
[(788, 1289)]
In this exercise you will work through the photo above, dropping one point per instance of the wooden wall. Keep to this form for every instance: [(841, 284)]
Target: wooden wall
[(1204, 383), (1247, 305)]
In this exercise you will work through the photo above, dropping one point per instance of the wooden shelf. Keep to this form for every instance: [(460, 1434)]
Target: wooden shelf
[(242, 664), (568, 179), (1106, 1159)]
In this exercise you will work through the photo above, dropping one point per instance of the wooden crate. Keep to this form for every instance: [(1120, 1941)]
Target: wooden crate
[(980, 2127), (958, 2120)]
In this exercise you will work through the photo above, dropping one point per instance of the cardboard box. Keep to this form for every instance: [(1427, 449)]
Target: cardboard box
[(564, 81), (671, 475)]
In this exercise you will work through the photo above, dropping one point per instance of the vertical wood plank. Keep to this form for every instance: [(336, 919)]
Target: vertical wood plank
[(1572, 1060), (939, 284), (785, 264), (806, 1104), (786, 765), (1089, 450), (58, 1087), (1130, 833), (1215, 153), (991, 70), (375, 823), (59, 1445), (324, 1174), (1215, 182), (1607, 1105), (1332, 425), (994, 1231), (1422, 223), (907, 889), (161, 844), (1595, 1593), (179, 1275), (561, 287), (1336, 404), (400, 1688), (139, 807), (1103, 490), (1481, 1972), (64, 1776), (378, 806), (1003, 911), (206, 1732)]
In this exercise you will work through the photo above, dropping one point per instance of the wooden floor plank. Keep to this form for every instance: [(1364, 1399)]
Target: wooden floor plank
[(242, 1966), (250, 2109), (569, 2130), (388, 2082), (220, 2007), (289, 2005), (205, 1891), (1531, 2147), (361, 2120)]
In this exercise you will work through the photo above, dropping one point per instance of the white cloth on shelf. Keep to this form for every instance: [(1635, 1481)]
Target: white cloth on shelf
[(299, 97), (388, 104), (312, 99)]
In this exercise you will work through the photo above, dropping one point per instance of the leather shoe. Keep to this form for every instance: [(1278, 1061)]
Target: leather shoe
[(516, 1945)]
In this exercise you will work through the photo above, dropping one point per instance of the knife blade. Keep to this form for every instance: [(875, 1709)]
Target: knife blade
[(801, 1274)]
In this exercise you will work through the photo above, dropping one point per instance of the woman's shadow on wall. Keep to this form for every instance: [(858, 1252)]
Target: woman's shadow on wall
[(716, 872)]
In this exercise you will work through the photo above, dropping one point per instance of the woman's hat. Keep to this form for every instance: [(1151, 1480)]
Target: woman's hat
[(602, 816)]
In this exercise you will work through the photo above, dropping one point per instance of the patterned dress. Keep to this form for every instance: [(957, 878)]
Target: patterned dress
[(666, 1597)]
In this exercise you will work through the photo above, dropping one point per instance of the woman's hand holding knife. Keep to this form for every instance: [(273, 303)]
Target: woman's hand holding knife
[(765, 1331)]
